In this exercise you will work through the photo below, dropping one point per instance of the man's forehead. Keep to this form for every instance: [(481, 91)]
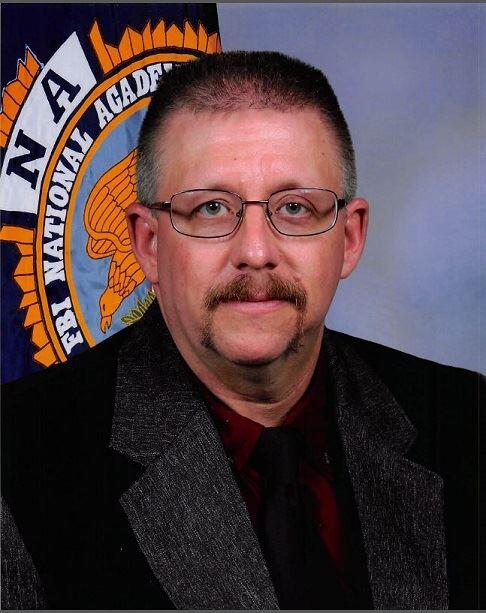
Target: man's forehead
[(263, 143), (243, 127)]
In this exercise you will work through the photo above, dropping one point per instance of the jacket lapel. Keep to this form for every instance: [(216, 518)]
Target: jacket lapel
[(399, 503), (186, 510)]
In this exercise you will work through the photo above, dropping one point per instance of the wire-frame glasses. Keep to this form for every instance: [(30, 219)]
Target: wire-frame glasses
[(206, 213)]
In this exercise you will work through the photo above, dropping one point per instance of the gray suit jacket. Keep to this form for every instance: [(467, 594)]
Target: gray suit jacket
[(180, 498)]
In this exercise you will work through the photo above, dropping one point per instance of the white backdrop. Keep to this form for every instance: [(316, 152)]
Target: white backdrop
[(408, 80)]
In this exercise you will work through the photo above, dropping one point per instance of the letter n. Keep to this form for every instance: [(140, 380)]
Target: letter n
[(35, 151), (53, 98)]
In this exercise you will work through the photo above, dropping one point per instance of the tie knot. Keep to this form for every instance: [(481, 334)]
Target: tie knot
[(277, 453)]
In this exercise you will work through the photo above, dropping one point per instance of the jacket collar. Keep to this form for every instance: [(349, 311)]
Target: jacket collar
[(186, 509)]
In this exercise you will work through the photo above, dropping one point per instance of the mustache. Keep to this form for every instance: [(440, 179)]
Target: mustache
[(245, 288)]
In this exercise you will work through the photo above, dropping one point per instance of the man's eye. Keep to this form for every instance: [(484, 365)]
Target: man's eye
[(293, 209), (213, 208)]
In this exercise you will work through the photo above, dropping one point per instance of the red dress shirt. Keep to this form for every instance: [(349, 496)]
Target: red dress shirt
[(240, 435)]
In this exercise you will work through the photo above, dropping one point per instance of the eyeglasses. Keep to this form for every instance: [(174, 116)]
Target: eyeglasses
[(207, 213)]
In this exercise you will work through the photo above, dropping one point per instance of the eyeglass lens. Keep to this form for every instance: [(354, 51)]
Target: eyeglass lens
[(297, 212)]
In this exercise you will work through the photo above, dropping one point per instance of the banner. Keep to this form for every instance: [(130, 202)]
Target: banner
[(77, 82)]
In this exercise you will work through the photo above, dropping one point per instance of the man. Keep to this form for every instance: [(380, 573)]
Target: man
[(234, 453)]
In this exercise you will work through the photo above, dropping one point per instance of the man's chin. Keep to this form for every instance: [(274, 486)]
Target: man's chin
[(249, 353), (249, 360), (252, 362)]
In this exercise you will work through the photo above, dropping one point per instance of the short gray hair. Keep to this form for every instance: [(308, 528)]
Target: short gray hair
[(233, 81)]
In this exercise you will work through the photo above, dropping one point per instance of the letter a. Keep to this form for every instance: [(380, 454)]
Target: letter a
[(35, 151), (63, 86)]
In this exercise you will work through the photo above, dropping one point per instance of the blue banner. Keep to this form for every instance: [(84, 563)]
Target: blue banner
[(77, 82)]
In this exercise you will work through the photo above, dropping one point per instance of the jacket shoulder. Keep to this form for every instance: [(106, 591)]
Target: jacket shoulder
[(60, 412), (409, 376), (442, 402), (382, 357), (95, 361)]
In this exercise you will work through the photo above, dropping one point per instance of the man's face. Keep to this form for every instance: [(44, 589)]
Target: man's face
[(252, 153)]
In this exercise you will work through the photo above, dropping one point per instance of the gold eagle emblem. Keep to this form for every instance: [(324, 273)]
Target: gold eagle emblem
[(106, 225)]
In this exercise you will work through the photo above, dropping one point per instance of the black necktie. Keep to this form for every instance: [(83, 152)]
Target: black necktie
[(301, 570)]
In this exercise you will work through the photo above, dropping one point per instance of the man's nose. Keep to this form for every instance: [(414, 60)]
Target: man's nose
[(255, 245)]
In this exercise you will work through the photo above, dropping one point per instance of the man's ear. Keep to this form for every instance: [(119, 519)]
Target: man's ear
[(355, 227), (142, 227)]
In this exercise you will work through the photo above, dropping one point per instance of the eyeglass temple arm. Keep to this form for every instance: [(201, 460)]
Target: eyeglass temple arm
[(159, 206), (341, 203)]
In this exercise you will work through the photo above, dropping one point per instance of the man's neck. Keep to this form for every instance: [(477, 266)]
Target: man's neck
[(266, 393)]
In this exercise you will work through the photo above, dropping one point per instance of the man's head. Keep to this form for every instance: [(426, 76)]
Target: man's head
[(252, 124)]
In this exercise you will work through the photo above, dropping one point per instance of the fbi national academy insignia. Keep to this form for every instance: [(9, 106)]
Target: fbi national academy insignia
[(69, 141)]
